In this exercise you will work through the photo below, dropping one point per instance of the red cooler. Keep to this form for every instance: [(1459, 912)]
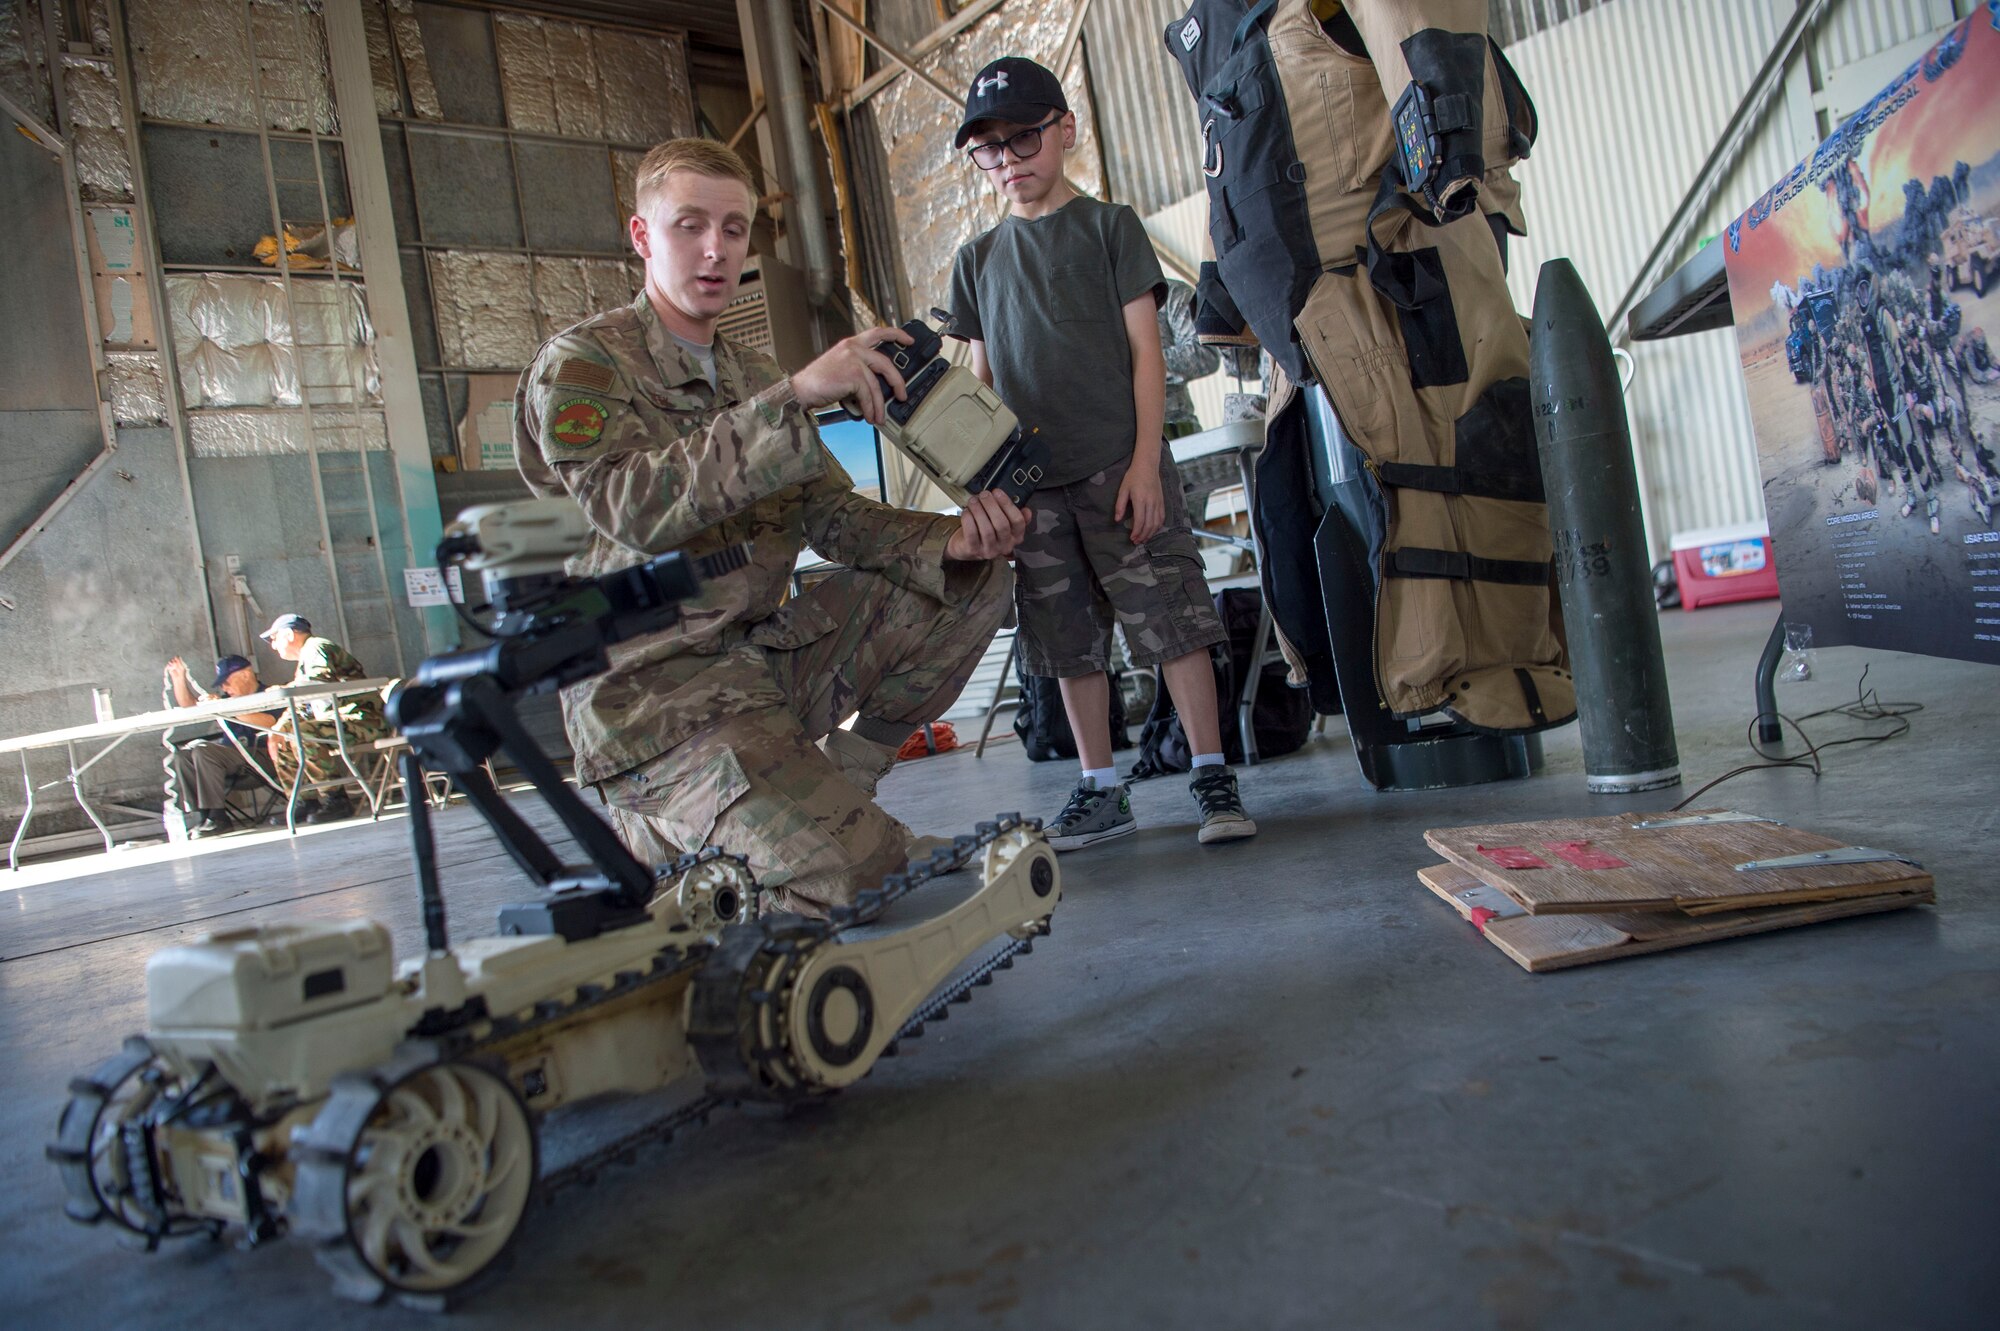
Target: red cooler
[(1720, 564)]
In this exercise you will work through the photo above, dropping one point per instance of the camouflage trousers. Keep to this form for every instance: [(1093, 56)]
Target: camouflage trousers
[(322, 752), (759, 785)]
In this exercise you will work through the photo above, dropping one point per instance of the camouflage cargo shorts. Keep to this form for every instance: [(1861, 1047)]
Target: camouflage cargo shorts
[(1078, 572)]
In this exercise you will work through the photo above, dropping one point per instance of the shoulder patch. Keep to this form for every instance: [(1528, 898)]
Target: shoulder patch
[(577, 422), (576, 372)]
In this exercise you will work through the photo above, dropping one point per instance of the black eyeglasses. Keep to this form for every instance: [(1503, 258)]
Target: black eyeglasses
[(988, 156)]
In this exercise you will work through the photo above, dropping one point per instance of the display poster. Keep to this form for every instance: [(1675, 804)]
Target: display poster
[(1863, 284)]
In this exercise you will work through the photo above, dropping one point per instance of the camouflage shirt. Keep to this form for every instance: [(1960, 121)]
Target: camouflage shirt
[(324, 661), (618, 416)]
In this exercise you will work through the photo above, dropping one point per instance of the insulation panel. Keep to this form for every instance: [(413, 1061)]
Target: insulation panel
[(485, 309), (381, 59), (97, 130), (644, 85), (625, 181), (568, 291), (587, 82), (244, 434), (97, 16), (291, 70), (138, 394), (409, 38), (24, 67), (191, 61), (239, 343), (526, 79)]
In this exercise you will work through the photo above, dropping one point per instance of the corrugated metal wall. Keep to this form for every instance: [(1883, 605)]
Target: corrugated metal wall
[(1625, 128), (1511, 20), (1152, 144), (1857, 29)]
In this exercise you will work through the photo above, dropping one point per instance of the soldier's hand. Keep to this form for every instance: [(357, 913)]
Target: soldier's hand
[(989, 527), (846, 374), (177, 668)]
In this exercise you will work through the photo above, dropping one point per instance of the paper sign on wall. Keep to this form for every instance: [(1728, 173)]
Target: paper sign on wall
[(428, 587), (115, 238)]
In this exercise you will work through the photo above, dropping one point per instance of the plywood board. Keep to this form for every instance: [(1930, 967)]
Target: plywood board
[(1553, 942), (1688, 868), (117, 274)]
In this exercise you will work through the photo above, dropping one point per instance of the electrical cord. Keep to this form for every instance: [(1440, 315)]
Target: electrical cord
[(1866, 707)]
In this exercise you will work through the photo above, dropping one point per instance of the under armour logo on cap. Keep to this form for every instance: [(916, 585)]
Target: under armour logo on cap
[(1012, 89)]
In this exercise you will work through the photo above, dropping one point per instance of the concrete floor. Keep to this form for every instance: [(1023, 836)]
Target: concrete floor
[(1268, 1085)]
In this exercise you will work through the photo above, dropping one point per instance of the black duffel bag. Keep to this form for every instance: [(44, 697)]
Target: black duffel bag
[(1281, 718)]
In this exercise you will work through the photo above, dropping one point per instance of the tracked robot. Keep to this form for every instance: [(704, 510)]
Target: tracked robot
[(296, 1078)]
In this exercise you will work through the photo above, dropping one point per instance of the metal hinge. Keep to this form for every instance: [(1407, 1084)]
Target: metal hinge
[(1842, 855)]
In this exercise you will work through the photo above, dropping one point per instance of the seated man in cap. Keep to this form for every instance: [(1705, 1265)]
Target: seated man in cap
[(320, 661), (200, 771)]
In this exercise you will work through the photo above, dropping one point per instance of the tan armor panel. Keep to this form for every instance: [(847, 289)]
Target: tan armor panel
[(1463, 621)]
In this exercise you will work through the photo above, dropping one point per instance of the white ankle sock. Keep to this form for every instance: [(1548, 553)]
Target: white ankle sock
[(1208, 760), (1103, 777)]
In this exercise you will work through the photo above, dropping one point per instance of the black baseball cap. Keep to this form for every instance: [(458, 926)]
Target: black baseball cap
[(226, 667), (1012, 88)]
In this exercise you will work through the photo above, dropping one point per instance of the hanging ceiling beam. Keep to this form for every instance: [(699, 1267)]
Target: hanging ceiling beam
[(749, 123), (32, 129), (1072, 37), (908, 63), (958, 23)]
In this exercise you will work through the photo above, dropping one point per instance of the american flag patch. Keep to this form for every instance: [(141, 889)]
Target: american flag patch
[(575, 372)]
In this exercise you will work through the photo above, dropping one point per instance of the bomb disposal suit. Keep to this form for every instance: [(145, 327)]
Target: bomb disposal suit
[(705, 732), (1359, 202)]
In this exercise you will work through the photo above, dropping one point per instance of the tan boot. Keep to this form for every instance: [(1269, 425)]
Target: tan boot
[(861, 761)]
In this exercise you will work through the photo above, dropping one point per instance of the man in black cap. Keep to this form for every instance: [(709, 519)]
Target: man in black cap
[(200, 771)]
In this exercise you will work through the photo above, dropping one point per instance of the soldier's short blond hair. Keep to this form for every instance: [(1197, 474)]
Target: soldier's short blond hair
[(702, 156)]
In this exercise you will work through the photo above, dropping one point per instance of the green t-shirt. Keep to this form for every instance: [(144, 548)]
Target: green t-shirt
[(1047, 297)]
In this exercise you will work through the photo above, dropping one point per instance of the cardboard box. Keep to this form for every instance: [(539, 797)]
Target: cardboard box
[(486, 431)]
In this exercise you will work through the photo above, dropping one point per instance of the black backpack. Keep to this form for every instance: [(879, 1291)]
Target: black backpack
[(1043, 725), (1281, 718)]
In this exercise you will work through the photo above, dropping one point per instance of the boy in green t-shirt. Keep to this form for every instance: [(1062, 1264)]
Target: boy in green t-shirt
[(1060, 302)]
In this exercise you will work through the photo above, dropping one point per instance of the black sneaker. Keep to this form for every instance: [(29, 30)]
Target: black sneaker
[(332, 809), (1091, 816), (1222, 816), (208, 823), (303, 814)]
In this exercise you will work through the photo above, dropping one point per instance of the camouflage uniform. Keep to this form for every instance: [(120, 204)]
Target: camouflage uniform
[(1187, 358), (323, 661), (704, 732)]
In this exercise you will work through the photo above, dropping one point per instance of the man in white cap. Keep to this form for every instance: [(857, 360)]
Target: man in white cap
[(320, 661)]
